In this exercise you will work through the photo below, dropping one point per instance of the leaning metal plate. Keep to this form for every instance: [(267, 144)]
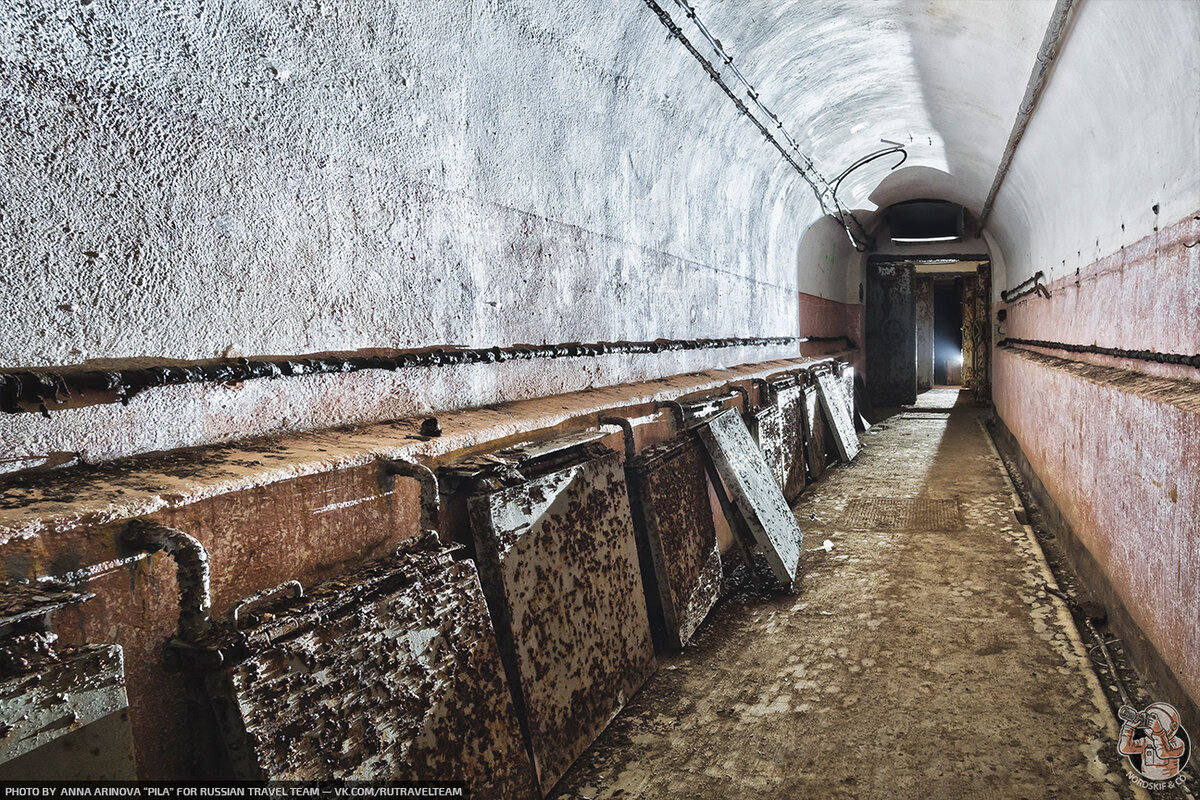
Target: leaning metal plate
[(55, 698), (766, 426), (559, 564), (837, 408), (670, 485), (740, 465), (814, 433), (790, 401), (392, 672)]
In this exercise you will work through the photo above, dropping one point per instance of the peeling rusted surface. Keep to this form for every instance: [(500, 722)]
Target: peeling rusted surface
[(762, 506), (559, 563), (307, 506), (59, 694), (766, 426), (788, 396), (390, 673), (672, 507), (67, 498), (837, 406), (814, 433)]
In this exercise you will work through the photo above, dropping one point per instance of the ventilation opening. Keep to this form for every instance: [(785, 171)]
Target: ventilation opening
[(925, 221)]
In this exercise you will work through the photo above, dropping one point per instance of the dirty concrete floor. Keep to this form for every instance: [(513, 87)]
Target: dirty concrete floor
[(921, 658)]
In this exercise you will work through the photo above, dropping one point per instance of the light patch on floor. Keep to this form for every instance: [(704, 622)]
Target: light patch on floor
[(915, 663)]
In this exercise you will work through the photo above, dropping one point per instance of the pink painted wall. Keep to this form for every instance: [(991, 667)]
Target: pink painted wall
[(1145, 296), (822, 317), (1116, 443)]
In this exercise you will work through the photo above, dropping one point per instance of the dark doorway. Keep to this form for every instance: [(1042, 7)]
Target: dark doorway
[(947, 333), (891, 328)]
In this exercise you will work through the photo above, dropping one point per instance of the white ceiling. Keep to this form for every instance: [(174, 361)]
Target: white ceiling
[(943, 77)]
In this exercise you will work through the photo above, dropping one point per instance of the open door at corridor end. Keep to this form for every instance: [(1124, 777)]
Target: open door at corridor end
[(891, 334)]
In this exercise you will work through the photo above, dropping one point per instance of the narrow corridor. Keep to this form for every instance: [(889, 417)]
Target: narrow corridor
[(922, 656)]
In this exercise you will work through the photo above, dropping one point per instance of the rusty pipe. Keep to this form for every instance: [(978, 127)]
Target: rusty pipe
[(1052, 43), (191, 568), (430, 494), (627, 429), (677, 411), (744, 392)]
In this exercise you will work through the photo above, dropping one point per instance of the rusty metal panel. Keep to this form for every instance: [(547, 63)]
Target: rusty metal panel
[(740, 465), (766, 426), (789, 397), (837, 410), (58, 697), (672, 508), (891, 334), (558, 558), (845, 374), (814, 432), (63, 711), (392, 672)]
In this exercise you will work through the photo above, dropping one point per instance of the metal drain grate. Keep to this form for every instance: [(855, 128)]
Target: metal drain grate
[(900, 513)]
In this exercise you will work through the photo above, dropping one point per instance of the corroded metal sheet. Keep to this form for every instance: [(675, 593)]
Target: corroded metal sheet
[(845, 374), (814, 433), (58, 695), (740, 465), (670, 485), (558, 558), (766, 426), (789, 398), (837, 410), (392, 672)]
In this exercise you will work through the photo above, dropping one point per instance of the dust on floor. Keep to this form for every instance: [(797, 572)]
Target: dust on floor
[(922, 658)]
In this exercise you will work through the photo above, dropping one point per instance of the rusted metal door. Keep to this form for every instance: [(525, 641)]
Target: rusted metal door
[(977, 339), (891, 334), (924, 311), (740, 465), (669, 489), (557, 553), (392, 672), (969, 308)]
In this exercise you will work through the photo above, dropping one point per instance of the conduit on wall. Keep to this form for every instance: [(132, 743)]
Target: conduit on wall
[(821, 187), (59, 388), (1042, 66)]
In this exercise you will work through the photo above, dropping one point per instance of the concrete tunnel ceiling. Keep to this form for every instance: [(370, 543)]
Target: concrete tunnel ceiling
[(946, 78), (241, 178)]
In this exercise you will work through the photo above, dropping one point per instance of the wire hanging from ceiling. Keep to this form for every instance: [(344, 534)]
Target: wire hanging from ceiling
[(825, 192)]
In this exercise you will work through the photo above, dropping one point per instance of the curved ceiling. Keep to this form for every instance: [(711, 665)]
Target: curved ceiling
[(944, 78)]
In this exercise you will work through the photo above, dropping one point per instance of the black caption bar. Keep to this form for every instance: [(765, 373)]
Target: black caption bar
[(279, 790)]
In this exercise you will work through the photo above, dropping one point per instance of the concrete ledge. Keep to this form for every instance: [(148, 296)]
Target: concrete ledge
[(34, 503)]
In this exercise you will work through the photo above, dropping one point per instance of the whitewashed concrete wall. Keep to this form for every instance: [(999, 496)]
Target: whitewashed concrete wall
[(201, 179)]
